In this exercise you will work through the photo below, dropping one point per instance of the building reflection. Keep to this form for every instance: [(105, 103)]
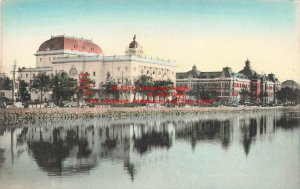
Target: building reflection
[(288, 121), (79, 147), (249, 131), (202, 130), (2, 158), (146, 139)]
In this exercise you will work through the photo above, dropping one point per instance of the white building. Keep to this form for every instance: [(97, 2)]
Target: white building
[(76, 55)]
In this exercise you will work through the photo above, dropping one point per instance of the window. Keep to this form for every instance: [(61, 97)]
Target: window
[(94, 73), (33, 75), (2, 94), (41, 59), (21, 75), (26, 75)]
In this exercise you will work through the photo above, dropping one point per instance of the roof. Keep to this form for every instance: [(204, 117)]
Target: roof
[(192, 73), (181, 75), (70, 43), (226, 72), (290, 83), (248, 72), (210, 75), (272, 77), (241, 75)]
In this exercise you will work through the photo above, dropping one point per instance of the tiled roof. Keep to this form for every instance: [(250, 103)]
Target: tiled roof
[(70, 43), (210, 74), (248, 72)]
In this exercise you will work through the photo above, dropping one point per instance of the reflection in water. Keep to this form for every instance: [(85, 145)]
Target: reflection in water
[(130, 169), (79, 147), (201, 130), (152, 138), (2, 158), (249, 130), (288, 121)]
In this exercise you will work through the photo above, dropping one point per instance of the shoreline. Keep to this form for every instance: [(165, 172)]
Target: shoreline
[(27, 114)]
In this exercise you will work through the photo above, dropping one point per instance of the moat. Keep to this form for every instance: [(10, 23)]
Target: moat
[(250, 150)]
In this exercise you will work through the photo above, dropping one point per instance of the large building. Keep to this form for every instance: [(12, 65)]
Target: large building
[(78, 55), (225, 86)]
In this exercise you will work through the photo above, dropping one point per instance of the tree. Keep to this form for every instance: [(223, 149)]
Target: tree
[(85, 85), (288, 95), (63, 87), (143, 81), (244, 94), (110, 88), (5, 82), (23, 92), (165, 88), (41, 84)]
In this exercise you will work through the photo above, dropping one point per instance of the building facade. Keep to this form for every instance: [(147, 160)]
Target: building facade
[(77, 55), (225, 86), (222, 86)]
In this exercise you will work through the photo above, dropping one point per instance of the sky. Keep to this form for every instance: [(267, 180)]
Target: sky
[(210, 34)]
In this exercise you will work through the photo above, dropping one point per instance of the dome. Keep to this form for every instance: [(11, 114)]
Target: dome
[(134, 48), (247, 70), (134, 43), (194, 72), (70, 43)]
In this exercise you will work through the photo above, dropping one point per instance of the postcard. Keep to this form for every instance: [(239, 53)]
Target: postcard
[(150, 94)]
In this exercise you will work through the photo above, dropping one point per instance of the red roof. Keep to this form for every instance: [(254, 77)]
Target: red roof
[(70, 43)]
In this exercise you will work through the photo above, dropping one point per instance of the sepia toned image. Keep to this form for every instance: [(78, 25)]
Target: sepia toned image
[(150, 94)]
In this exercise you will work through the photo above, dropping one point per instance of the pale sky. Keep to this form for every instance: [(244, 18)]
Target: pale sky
[(211, 34)]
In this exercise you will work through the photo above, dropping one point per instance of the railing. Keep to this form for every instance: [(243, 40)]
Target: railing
[(116, 58)]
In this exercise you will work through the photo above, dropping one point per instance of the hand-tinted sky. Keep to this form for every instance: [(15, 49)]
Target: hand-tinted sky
[(208, 33)]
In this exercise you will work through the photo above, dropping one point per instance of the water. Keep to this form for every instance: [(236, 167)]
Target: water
[(259, 150)]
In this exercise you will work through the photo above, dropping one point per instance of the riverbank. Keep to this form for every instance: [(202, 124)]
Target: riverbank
[(17, 114)]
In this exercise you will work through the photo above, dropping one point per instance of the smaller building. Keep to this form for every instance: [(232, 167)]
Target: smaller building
[(291, 84), (222, 86), (225, 86)]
